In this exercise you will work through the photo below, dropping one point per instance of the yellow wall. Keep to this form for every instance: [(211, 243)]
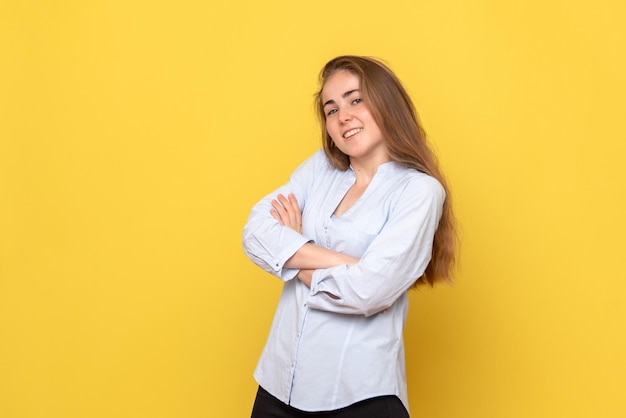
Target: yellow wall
[(136, 135)]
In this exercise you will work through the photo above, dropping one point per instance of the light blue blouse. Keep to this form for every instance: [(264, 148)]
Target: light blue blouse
[(324, 353)]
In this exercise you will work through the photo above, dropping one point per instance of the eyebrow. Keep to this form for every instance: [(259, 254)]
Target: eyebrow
[(346, 94)]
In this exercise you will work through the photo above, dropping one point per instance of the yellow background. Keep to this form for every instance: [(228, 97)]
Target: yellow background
[(136, 135)]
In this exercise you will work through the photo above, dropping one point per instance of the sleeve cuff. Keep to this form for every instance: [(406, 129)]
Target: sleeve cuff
[(277, 262)]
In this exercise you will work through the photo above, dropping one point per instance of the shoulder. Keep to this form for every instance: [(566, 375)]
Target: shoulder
[(318, 163), (417, 183), (315, 169), (427, 184), (320, 158)]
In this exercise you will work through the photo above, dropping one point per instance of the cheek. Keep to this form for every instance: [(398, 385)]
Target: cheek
[(332, 130), (333, 134), (334, 139), (341, 145)]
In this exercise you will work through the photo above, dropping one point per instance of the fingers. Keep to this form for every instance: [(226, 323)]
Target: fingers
[(278, 212), (275, 215), (287, 211), (296, 213), (294, 202), (290, 211)]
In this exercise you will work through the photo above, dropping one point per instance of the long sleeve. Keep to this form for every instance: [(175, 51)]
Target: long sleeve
[(390, 229), (265, 241), (396, 257)]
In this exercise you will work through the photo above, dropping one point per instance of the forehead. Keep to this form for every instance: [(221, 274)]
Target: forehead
[(338, 83)]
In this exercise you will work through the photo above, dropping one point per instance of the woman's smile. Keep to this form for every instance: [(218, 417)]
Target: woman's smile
[(348, 118), (352, 132)]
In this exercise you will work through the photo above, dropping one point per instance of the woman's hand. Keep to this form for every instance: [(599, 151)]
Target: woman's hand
[(287, 211)]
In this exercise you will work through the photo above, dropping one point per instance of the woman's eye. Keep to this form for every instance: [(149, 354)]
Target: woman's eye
[(357, 101), (331, 111)]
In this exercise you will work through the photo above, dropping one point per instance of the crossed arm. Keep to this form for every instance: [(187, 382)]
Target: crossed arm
[(309, 257)]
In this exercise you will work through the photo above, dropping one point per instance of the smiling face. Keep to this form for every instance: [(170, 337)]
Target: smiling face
[(349, 122)]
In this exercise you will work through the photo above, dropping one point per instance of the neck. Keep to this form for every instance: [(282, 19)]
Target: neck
[(365, 169)]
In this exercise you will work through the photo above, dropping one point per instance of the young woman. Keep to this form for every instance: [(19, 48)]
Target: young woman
[(358, 224)]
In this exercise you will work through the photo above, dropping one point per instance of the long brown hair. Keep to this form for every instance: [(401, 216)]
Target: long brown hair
[(394, 113)]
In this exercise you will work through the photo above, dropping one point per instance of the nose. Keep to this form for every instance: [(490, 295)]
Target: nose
[(344, 114)]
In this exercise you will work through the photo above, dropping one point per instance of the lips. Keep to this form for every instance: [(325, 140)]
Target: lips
[(352, 132)]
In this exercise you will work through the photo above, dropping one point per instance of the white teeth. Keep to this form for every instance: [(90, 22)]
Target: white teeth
[(352, 132)]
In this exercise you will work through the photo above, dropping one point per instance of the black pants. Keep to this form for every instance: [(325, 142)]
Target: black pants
[(267, 406)]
